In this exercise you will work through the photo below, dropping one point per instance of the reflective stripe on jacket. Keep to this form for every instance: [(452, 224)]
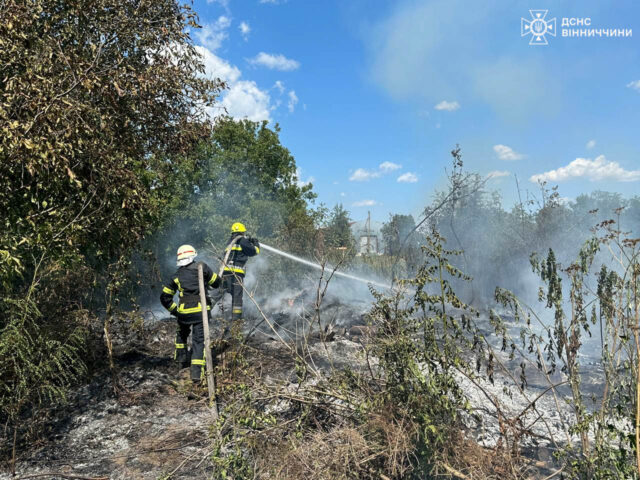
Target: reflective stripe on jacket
[(240, 253), (185, 282)]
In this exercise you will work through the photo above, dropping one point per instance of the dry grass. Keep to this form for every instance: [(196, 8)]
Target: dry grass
[(379, 446), (472, 461)]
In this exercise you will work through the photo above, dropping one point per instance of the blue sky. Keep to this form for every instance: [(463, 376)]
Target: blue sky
[(372, 95)]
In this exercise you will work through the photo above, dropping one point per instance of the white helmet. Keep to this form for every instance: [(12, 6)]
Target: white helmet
[(186, 254)]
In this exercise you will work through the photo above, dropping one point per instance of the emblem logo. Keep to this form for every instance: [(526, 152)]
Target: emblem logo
[(538, 27)]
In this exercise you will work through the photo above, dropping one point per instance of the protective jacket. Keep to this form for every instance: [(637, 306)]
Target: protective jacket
[(241, 250), (185, 281), (234, 271), (189, 313)]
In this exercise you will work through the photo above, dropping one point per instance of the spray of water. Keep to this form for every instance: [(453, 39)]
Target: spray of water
[(319, 267)]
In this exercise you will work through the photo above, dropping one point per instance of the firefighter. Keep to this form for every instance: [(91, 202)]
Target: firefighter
[(240, 247), (189, 311)]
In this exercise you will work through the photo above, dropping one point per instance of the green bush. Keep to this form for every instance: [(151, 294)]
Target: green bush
[(603, 436), (101, 103)]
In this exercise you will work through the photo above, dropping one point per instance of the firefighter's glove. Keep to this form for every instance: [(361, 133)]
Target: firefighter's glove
[(254, 241)]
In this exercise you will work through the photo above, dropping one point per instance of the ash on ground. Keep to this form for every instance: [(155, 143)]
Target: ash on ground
[(147, 428)]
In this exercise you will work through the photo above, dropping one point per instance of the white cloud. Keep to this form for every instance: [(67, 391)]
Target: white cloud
[(274, 62), (635, 85), (408, 178), (243, 98), (388, 167), (211, 35), (365, 203), (448, 106), (293, 100), (342, 194), (362, 175), (498, 174), (300, 182), (410, 51), (591, 143), (280, 86), (216, 67), (224, 3), (245, 30), (594, 170), (507, 153)]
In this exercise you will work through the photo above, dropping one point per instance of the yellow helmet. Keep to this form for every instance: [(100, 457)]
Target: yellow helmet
[(238, 228), (186, 254)]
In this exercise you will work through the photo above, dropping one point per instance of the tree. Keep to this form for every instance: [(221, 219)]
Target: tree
[(337, 233), (396, 230), (101, 101), (98, 97), (241, 173)]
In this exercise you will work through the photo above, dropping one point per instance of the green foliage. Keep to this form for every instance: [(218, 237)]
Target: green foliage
[(607, 425), (497, 242), (101, 101), (241, 173), (420, 347), (300, 234), (38, 363), (398, 418), (97, 96), (337, 233), (401, 240), (380, 266), (238, 432)]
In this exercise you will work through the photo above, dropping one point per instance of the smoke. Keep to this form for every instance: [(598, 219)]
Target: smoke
[(308, 297), (284, 289), (498, 244)]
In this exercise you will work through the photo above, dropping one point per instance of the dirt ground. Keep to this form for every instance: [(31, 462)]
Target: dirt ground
[(147, 429), (150, 427)]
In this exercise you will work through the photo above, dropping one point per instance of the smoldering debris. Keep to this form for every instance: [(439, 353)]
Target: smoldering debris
[(294, 305), (150, 428), (291, 312)]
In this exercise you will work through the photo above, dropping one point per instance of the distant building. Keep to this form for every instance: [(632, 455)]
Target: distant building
[(368, 236)]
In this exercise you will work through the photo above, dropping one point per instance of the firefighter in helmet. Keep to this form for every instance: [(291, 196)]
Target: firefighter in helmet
[(239, 248), (189, 310)]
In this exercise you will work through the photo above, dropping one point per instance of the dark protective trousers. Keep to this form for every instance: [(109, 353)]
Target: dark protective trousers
[(191, 323), (231, 284)]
